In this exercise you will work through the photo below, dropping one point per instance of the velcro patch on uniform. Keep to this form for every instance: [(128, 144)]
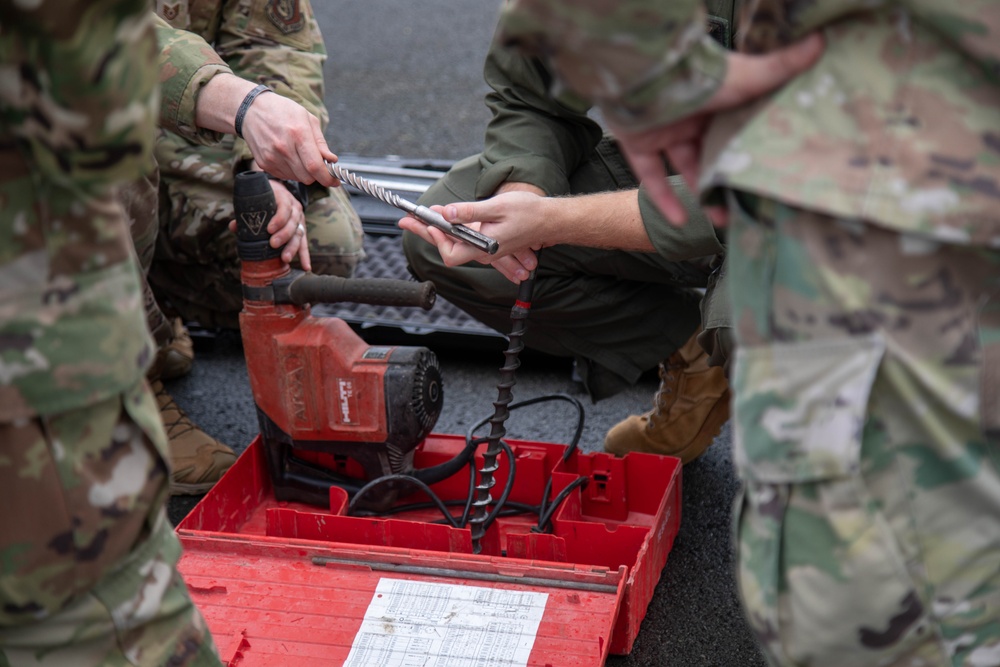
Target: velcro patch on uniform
[(170, 12), (286, 15), (718, 29)]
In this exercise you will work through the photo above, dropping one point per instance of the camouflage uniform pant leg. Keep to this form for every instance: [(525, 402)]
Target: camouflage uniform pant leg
[(869, 527), (196, 269), (140, 199), (87, 555), (617, 313)]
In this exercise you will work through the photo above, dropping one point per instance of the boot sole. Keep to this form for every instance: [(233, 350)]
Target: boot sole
[(714, 421), (181, 489)]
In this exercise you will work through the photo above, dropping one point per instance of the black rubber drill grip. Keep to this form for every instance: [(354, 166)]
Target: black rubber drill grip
[(254, 206), (310, 288)]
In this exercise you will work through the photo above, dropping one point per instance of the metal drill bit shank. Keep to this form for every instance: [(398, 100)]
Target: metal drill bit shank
[(422, 213)]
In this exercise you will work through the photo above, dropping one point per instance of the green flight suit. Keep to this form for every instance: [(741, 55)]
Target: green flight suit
[(616, 313)]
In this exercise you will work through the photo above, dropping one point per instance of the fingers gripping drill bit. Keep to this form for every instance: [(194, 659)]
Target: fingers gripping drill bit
[(422, 213)]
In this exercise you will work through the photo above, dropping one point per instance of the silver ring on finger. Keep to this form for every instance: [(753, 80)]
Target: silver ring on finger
[(300, 229)]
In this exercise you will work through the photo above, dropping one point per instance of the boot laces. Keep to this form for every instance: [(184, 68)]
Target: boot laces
[(663, 397), (177, 423)]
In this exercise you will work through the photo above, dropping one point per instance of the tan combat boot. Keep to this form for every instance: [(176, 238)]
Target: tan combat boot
[(688, 411), (197, 459), (174, 359)]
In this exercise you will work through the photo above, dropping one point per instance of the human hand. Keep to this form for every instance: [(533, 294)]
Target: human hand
[(514, 219), (748, 77), (287, 141), (287, 227)]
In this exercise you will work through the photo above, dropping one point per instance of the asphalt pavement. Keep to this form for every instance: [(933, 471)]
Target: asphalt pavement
[(405, 78)]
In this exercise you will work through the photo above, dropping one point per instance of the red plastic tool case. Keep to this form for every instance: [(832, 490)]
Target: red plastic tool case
[(291, 584)]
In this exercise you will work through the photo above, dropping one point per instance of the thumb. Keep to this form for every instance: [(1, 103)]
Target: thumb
[(464, 212), (750, 76)]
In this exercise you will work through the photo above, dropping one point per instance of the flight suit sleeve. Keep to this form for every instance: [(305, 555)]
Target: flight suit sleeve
[(532, 136), (698, 238)]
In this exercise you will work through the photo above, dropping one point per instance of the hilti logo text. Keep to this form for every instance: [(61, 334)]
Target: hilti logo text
[(345, 392)]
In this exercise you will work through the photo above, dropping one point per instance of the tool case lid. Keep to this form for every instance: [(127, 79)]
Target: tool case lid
[(301, 604)]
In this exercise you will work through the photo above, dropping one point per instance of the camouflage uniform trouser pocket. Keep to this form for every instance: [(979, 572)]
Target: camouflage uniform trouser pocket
[(869, 528), (821, 574), (87, 575)]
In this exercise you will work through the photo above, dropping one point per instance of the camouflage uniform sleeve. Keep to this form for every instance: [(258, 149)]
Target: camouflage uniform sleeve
[(277, 43), (100, 135), (644, 62), (77, 118), (187, 63)]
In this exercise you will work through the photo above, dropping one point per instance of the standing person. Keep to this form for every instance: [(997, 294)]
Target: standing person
[(616, 312), (860, 186), (87, 555)]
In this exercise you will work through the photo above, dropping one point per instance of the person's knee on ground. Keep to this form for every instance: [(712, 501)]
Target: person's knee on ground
[(333, 227)]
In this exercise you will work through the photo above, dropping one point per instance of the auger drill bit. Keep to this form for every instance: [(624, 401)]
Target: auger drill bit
[(422, 213), (481, 516)]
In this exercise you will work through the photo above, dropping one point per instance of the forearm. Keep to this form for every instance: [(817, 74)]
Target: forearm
[(282, 135), (271, 66), (603, 220), (219, 100), (290, 60), (626, 220)]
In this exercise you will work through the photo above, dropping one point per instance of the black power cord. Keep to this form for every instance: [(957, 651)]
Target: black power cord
[(501, 507), (476, 511)]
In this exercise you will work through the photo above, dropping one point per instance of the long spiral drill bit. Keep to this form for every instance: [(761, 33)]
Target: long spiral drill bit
[(518, 316), (422, 213)]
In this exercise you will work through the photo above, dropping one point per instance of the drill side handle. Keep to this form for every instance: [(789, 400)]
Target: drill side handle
[(311, 288)]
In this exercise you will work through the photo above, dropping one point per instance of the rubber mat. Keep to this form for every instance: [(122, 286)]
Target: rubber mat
[(384, 259)]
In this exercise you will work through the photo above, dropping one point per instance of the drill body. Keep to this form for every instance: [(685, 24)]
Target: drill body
[(317, 385)]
